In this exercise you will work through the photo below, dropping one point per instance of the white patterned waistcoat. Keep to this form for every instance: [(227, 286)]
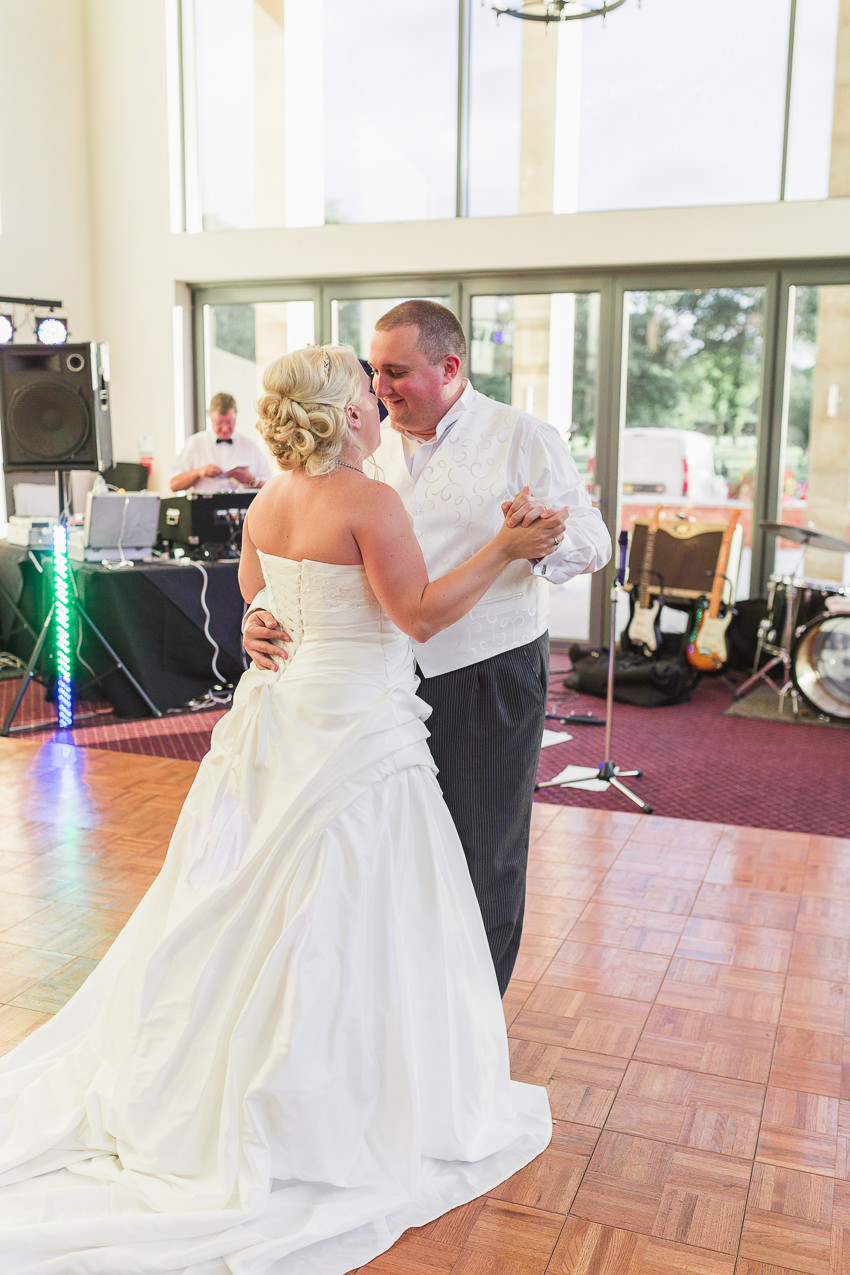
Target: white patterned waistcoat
[(455, 505)]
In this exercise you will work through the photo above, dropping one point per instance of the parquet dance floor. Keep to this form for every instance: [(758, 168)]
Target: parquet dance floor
[(681, 991)]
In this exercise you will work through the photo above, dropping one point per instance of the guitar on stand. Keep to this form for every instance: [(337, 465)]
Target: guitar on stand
[(707, 650), (644, 631)]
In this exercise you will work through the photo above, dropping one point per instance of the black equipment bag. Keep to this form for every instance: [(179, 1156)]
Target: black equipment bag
[(742, 634), (637, 680)]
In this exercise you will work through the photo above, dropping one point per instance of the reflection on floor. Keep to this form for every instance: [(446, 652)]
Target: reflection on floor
[(682, 992)]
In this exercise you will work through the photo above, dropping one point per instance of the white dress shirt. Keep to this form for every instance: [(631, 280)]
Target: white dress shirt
[(205, 449)]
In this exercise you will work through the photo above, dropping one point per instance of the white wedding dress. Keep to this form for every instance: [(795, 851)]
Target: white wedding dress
[(295, 1048)]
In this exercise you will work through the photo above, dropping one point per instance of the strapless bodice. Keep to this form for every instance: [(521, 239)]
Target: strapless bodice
[(327, 603)]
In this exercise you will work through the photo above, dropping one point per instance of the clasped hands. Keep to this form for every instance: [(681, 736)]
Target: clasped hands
[(526, 509)]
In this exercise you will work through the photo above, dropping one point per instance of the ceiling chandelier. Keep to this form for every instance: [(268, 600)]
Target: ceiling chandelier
[(558, 10)]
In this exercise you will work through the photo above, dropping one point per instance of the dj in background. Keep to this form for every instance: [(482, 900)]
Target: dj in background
[(219, 459)]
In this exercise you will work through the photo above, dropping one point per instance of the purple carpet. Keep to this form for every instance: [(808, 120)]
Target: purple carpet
[(699, 764)]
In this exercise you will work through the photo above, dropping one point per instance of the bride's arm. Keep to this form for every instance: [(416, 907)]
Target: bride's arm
[(251, 579), (261, 633), (398, 575)]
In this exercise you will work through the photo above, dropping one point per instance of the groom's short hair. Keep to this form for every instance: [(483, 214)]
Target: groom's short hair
[(440, 332)]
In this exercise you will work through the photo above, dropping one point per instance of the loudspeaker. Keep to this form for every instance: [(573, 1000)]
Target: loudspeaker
[(54, 407), (685, 554)]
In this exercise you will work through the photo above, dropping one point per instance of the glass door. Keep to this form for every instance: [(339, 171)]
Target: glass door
[(240, 338), (540, 352), (814, 465), (689, 438), (353, 318)]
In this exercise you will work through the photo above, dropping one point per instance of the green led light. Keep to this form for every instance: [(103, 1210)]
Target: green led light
[(63, 617)]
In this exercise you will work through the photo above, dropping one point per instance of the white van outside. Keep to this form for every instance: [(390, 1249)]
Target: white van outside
[(674, 464)]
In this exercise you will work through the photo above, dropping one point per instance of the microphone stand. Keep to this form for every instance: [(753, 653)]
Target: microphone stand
[(607, 772)]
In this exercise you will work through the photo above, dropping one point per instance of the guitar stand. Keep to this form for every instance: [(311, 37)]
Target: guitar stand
[(607, 772)]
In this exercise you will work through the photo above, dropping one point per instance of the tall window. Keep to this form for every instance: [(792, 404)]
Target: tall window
[(240, 340), (305, 112), (814, 474), (540, 352), (692, 405)]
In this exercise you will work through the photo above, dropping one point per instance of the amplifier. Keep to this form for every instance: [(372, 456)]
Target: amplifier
[(191, 521), (684, 556), (32, 533)]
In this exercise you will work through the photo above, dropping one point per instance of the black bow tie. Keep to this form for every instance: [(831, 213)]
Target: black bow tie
[(225, 440)]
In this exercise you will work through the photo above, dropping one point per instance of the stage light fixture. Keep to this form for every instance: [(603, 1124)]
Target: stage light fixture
[(7, 329), (51, 331), (63, 607)]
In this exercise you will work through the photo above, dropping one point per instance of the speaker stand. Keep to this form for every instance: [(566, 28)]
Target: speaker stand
[(13, 606), (8, 729), (63, 495)]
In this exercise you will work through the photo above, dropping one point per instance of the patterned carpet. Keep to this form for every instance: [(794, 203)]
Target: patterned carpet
[(698, 762)]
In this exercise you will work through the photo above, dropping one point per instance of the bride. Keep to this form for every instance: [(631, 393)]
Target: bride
[(295, 1049)]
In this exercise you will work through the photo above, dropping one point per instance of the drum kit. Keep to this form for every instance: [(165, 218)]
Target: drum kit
[(806, 633)]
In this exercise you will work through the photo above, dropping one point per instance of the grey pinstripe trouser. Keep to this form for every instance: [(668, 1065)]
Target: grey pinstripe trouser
[(486, 730)]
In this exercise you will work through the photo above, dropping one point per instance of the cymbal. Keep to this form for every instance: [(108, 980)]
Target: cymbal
[(808, 536)]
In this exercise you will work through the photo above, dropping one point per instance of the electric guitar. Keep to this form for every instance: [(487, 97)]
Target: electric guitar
[(644, 630), (707, 650)]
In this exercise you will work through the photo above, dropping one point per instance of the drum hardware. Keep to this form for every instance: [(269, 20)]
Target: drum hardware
[(797, 608), (808, 537), (775, 636)]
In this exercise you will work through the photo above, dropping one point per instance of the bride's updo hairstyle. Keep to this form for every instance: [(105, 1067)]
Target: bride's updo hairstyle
[(302, 414)]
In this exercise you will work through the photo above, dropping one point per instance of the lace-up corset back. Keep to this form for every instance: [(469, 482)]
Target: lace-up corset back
[(327, 603)]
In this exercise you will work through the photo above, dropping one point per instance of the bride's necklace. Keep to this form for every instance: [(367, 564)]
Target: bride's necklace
[(345, 465)]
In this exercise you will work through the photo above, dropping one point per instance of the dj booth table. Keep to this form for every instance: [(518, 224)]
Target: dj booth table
[(151, 614)]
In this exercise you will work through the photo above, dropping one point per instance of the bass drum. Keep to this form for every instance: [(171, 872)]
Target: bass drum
[(820, 665)]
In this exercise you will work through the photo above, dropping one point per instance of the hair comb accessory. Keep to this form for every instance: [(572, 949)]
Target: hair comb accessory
[(326, 358)]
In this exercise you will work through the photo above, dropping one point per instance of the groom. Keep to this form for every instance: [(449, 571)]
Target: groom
[(457, 458)]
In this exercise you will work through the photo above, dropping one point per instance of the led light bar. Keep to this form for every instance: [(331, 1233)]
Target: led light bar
[(62, 617)]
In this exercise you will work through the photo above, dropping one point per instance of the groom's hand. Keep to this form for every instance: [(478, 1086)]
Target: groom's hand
[(261, 638), (525, 509)]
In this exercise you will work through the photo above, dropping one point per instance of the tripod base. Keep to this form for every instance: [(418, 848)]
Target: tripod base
[(608, 776), (607, 773)]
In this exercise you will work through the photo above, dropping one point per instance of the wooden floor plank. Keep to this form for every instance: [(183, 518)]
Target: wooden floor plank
[(681, 990)]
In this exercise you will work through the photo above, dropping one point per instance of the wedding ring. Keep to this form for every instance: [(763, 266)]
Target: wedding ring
[(555, 543)]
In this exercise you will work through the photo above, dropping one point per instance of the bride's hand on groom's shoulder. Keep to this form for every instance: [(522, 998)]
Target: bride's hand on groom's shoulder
[(261, 640)]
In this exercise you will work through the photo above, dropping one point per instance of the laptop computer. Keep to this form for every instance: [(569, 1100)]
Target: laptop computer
[(117, 526)]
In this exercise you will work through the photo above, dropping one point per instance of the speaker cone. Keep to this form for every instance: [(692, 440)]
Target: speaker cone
[(48, 420)]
